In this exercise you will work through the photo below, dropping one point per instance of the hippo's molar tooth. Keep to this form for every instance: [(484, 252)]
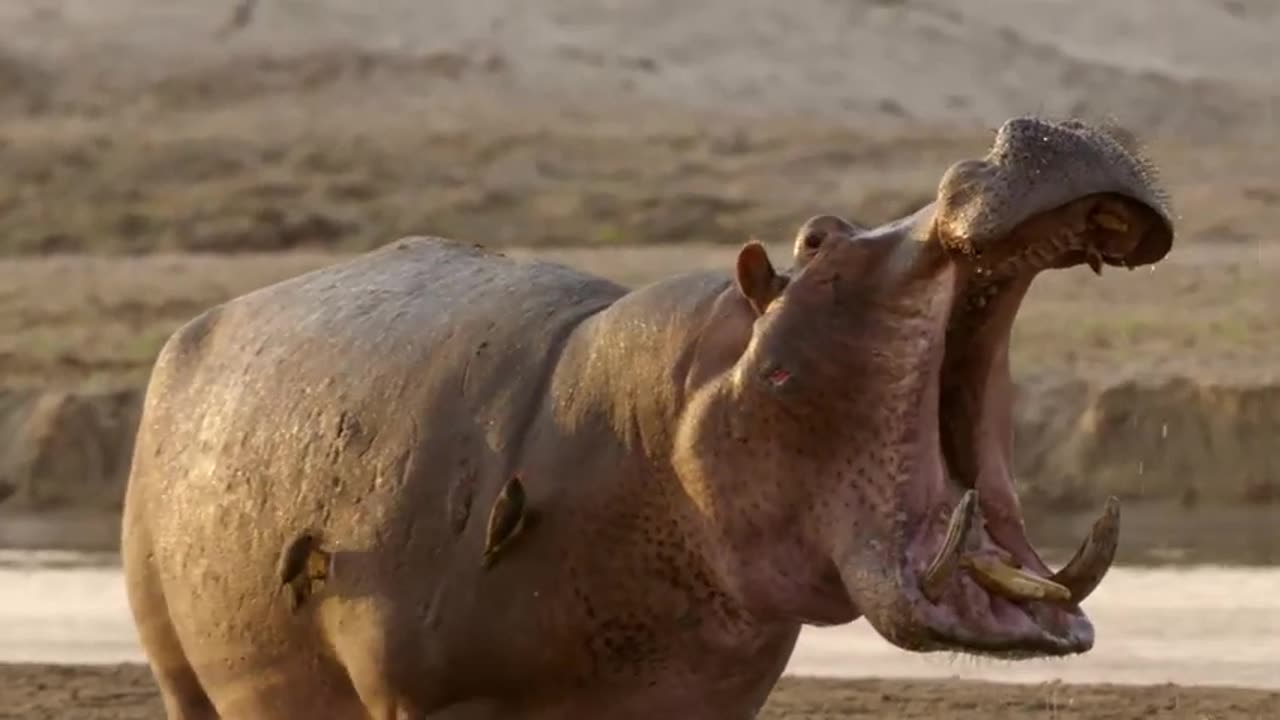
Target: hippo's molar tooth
[(1012, 583), (1092, 561), (1110, 221), (940, 570)]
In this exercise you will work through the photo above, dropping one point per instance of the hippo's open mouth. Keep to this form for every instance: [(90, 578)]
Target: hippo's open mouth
[(983, 587), (1007, 601)]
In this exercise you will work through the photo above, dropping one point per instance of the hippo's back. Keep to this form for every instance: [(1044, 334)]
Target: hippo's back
[(367, 401)]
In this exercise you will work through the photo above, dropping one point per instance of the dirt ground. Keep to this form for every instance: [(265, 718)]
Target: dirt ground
[(126, 692)]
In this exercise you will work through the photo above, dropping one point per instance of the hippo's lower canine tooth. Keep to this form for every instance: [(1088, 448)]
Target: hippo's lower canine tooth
[(1094, 557), (1013, 583), (940, 570)]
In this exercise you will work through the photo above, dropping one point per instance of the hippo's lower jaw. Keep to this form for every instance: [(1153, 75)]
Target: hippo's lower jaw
[(977, 596)]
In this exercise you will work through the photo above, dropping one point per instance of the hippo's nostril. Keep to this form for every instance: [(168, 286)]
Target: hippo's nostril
[(813, 239)]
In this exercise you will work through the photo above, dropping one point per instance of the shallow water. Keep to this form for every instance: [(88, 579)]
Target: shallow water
[(1192, 625)]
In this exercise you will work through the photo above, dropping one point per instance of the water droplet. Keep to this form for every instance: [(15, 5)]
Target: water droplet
[(1164, 430), (1140, 467)]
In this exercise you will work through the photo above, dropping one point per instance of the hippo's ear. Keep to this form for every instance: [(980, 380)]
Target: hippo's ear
[(758, 282)]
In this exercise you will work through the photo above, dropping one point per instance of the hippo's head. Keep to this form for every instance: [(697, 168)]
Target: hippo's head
[(855, 457)]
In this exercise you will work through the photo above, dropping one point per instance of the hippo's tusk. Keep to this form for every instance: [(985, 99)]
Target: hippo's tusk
[(939, 571), (1085, 571), (1012, 583)]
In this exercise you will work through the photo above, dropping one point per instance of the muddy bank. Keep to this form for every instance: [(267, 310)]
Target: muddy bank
[(65, 449), (127, 692), (1179, 440), (1189, 459)]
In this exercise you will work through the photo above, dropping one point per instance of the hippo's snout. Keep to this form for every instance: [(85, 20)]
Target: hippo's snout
[(985, 208)]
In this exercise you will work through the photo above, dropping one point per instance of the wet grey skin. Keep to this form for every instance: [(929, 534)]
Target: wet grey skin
[(714, 460)]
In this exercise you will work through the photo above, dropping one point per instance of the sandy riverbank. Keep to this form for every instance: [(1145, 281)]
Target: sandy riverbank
[(126, 692)]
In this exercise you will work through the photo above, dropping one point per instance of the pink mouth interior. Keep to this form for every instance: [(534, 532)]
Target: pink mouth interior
[(976, 434)]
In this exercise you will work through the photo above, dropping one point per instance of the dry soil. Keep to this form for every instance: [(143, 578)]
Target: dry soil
[(126, 692)]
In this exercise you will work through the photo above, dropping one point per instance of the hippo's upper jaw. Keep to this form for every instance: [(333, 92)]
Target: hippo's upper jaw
[(876, 384)]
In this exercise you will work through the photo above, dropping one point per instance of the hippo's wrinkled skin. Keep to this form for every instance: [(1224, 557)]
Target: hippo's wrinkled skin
[(712, 461)]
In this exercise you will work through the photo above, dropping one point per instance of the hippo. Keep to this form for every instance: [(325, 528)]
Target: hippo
[(704, 464)]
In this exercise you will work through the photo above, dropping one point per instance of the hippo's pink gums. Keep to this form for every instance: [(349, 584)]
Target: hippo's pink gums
[(707, 463)]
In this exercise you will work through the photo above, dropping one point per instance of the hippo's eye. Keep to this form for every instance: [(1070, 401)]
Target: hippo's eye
[(778, 376), (813, 239)]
